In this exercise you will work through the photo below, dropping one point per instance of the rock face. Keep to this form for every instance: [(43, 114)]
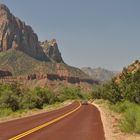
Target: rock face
[(53, 77), (17, 35), (51, 50)]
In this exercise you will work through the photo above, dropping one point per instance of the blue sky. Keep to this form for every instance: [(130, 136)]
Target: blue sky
[(95, 33)]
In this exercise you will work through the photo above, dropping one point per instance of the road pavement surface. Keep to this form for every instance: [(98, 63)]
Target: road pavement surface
[(73, 122)]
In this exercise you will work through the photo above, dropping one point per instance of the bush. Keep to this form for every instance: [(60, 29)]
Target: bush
[(131, 120), (127, 89), (9, 98), (121, 107), (71, 93), (5, 112), (13, 98), (45, 94), (109, 91), (30, 101)]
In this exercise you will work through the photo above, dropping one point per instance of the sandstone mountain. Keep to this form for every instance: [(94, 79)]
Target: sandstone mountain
[(99, 73), (15, 34), (24, 57)]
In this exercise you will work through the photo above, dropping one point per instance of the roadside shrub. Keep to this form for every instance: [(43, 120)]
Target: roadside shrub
[(30, 101), (96, 93), (121, 107), (71, 93), (108, 91), (130, 87), (131, 120), (127, 89), (15, 99), (45, 94), (4, 112), (9, 98)]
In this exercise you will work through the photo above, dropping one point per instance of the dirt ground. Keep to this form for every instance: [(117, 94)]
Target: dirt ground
[(110, 122)]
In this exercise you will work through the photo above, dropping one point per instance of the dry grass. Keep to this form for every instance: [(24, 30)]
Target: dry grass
[(111, 121)]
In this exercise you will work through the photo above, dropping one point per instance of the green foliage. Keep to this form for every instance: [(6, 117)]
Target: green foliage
[(4, 112), (121, 107), (36, 98), (125, 98), (130, 87), (109, 91), (14, 98), (30, 101), (130, 121), (127, 89), (9, 97), (71, 93), (45, 94)]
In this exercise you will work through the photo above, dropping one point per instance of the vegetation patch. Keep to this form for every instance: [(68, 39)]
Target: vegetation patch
[(16, 101), (130, 120), (124, 98)]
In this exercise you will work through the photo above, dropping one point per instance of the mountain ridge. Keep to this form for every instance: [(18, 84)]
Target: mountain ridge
[(99, 73)]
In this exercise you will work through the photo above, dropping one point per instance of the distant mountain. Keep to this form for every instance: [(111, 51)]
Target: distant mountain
[(99, 73)]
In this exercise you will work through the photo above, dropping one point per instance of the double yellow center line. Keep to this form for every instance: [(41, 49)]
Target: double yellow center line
[(44, 125)]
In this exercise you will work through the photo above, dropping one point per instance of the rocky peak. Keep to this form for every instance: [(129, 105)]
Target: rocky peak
[(51, 50), (4, 7), (15, 34)]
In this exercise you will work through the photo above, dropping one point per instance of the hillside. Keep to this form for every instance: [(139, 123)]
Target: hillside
[(20, 63), (129, 70), (99, 73)]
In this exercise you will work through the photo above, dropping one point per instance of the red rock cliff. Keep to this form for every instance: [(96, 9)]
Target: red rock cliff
[(16, 34)]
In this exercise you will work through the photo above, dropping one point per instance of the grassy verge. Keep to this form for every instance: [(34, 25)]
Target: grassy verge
[(129, 114), (130, 120), (7, 114)]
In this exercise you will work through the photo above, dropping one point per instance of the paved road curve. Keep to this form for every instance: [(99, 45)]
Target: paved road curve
[(83, 124)]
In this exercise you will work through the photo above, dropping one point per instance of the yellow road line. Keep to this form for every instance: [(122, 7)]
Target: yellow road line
[(43, 125)]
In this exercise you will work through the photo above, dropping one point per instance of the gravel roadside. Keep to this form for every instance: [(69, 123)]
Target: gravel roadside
[(110, 122)]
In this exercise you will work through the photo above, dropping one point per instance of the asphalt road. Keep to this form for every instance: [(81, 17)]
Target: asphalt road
[(80, 123)]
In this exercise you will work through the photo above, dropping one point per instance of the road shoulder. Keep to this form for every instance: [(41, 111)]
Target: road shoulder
[(110, 122)]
